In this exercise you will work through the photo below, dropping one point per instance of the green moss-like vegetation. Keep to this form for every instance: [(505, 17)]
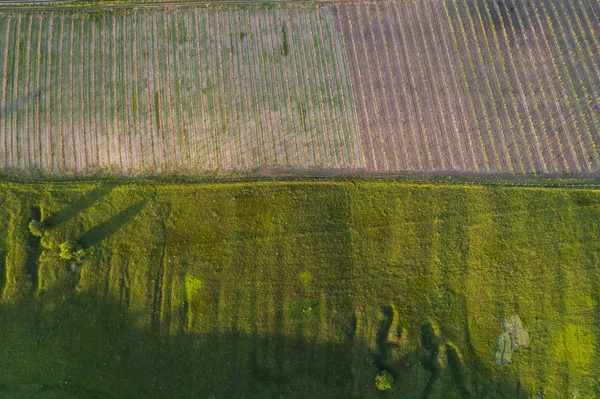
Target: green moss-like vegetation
[(384, 381), (305, 289)]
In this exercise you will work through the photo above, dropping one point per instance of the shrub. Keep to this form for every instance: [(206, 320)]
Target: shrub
[(37, 228), (384, 380), (71, 250)]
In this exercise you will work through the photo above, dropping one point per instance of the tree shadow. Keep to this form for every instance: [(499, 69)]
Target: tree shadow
[(466, 379), (83, 202), (101, 231), (382, 345), (431, 344), (2, 271), (101, 351), (35, 250), (101, 348)]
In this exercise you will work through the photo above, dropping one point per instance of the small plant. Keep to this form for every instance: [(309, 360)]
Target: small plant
[(37, 228), (384, 380), (305, 278), (285, 46), (71, 250)]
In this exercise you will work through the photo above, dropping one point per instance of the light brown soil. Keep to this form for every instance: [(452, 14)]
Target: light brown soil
[(475, 86), (412, 86)]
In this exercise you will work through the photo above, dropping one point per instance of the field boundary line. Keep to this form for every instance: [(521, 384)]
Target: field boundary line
[(331, 176)]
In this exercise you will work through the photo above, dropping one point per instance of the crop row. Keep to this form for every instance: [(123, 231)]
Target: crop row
[(182, 90), (484, 87), (435, 85)]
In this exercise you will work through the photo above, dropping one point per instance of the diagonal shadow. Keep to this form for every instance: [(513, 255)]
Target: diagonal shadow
[(85, 201), (103, 230), (34, 251)]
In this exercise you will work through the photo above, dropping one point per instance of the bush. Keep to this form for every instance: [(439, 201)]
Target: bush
[(384, 380), (71, 250), (37, 228)]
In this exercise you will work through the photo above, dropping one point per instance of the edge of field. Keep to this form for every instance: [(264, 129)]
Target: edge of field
[(83, 5), (329, 175)]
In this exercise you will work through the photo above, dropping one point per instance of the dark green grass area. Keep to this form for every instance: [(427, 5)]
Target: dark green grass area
[(298, 290)]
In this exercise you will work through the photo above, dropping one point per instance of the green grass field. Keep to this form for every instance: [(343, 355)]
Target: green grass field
[(299, 289)]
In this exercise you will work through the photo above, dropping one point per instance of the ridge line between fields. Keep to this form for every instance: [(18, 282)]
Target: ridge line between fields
[(516, 181)]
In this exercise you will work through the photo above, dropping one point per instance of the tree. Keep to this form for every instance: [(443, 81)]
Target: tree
[(37, 228), (71, 250), (384, 380)]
